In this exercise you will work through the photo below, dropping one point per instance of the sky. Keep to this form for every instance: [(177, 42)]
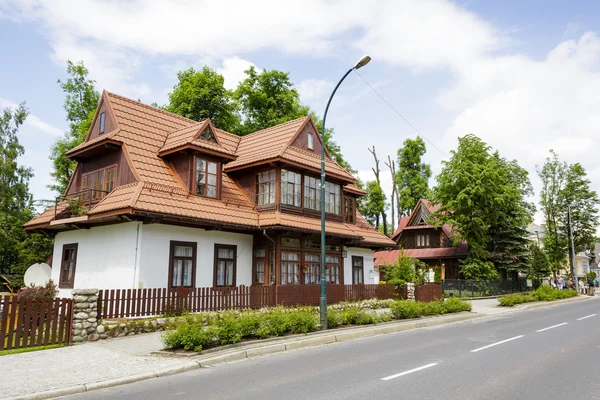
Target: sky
[(523, 76)]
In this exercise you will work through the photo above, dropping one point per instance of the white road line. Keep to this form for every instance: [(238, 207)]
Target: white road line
[(551, 327), (587, 316), (410, 371), (496, 344)]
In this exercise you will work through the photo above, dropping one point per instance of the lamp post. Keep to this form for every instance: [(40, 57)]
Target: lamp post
[(323, 304), (573, 266)]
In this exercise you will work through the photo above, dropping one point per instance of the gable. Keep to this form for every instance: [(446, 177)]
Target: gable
[(419, 216), (302, 139), (207, 135), (109, 121)]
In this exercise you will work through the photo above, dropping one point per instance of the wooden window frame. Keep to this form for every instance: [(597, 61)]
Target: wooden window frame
[(172, 258), (256, 259), (259, 185), (362, 268), (195, 176), (62, 283), (281, 191), (328, 193), (306, 198), (102, 123), (349, 213), (310, 141), (216, 263), (96, 196), (424, 242)]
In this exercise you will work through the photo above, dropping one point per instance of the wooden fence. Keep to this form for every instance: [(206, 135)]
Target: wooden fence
[(32, 323), (126, 303), (428, 292)]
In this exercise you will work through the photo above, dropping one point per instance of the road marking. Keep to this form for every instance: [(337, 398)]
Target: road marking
[(496, 344), (587, 316), (551, 327), (410, 371)]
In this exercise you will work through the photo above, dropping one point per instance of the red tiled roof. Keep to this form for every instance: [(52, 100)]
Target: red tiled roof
[(383, 258), (352, 188), (226, 142)]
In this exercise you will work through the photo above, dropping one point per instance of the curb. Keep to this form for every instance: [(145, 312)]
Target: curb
[(240, 354)]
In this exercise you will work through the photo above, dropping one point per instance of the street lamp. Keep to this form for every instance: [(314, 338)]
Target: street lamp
[(323, 305)]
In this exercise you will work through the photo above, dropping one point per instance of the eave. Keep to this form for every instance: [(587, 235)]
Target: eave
[(94, 149), (191, 146)]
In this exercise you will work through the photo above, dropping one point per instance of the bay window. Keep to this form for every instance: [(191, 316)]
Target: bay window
[(332, 198), (291, 188), (312, 195), (95, 185)]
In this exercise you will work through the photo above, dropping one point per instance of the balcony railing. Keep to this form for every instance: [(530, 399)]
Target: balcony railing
[(79, 202)]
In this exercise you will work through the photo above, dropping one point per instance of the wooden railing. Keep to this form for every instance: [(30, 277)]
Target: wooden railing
[(127, 303), (31, 323)]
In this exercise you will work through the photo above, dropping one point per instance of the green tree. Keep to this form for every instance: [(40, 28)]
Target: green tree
[(406, 269), (564, 185), (374, 203), (266, 99), (413, 174), (18, 250), (477, 192), (81, 101), (202, 94), (540, 263)]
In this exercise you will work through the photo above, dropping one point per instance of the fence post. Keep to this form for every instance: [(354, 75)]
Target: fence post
[(459, 288), (472, 288), (85, 315)]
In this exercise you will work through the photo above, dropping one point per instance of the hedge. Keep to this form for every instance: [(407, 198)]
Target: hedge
[(199, 331), (543, 293)]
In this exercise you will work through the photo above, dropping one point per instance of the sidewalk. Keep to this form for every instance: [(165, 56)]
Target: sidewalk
[(112, 362)]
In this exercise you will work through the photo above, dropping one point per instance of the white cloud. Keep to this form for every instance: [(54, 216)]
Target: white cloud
[(33, 121), (233, 71), (314, 89)]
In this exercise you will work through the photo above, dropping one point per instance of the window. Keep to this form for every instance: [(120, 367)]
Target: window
[(332, 198), (265, 187), (260, 261), (290, 268), (332, 269), (349, 210), (68, 265), (310, 141), (358, 272), (95, 185), (291, 188), (182, 265), (206, 178), (312, 195), (101, 123), (312, 269), (225, 260), (422, 240), (109, 181), (290, 242)]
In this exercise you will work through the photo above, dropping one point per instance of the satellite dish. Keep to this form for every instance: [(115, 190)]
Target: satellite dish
[(38, 274)]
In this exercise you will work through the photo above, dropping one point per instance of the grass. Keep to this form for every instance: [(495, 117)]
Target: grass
[(29, 349), (543, 293)]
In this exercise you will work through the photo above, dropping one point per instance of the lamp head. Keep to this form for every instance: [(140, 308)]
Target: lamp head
[(362, 62)]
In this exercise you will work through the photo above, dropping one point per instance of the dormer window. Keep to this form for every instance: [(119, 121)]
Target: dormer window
[(102, 116), (206, 177), (310, 141)]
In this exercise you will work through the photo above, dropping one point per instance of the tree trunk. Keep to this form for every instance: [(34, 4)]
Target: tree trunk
[(391, 164), (376, 172)]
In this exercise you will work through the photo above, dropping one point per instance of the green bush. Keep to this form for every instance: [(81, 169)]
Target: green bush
[(543, 293), (455, 305), (199, 331)]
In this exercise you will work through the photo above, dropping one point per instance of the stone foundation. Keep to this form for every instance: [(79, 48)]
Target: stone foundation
[(85, 318)]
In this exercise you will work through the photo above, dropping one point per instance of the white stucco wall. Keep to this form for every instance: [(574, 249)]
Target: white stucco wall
[(105, 256), (371, 276), (154, 254)]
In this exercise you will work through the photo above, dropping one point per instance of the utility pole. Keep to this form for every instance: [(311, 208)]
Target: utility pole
[(573, 269)]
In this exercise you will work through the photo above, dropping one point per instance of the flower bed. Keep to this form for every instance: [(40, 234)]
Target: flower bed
[(543, 293), (200, 331)]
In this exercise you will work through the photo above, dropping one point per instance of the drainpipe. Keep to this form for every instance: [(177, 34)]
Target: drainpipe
[(135, 260)]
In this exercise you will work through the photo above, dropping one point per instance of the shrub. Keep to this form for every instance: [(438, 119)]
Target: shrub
[(404, 309), (454, 305), (543, 293), (303, 322), (46, 292)]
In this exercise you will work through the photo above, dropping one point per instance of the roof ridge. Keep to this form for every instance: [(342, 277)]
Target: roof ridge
[(139, 103), (277, 126)]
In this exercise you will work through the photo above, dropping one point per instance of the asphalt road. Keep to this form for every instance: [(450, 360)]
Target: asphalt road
[(547, 353)]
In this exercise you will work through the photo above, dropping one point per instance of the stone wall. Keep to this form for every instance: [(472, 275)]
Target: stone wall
[(85, 318), (410, 291)]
